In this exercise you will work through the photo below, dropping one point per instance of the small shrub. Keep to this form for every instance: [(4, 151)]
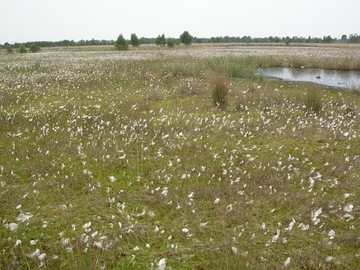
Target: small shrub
[(134, 40), (22, 49), (170, 43), (313, 103), (160, 40), (220, 91), (121, 44), (186, 38), (33, 48), (9, 49)]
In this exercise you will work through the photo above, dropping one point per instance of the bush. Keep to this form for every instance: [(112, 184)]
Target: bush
[(121, 44), (9, 49), (220, 91), (186, 38), (160, 40), (135, 42), (313, 103), (170, 43), (22, 49), (33, 48)]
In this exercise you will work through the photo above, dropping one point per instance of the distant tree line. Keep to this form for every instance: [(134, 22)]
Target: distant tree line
[(62, 43), (121, 44), (354, 38), (160, 40)]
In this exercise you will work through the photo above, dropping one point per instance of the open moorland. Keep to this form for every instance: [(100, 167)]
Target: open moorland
[(121, 160)]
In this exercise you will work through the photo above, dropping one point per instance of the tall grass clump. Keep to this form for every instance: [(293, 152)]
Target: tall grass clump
[(313, 102), (220, 90)]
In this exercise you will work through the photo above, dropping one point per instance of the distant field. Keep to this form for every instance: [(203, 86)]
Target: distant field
[(120, 160)]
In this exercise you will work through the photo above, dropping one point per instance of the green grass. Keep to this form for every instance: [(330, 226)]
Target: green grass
[(313, 103), (131, 142), (220, 90)]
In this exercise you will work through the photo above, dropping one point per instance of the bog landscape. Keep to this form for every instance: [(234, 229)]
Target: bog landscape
[(178, 158)]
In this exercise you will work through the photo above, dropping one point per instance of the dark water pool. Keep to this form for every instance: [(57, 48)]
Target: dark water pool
[(333, 78)]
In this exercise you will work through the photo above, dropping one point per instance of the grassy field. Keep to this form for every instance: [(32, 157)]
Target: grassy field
[(120, 160)]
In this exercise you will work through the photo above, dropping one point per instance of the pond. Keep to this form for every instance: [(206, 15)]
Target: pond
[(333, 78)]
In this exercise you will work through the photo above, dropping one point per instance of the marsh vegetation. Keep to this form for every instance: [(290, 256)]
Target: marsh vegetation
[(120, 160)]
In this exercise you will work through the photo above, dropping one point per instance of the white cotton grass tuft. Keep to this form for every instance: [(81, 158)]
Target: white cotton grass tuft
[(33, 242), (112, 179), (287, 262), (34, 254), (263, 226), (42, 256), (12, 226), (162, 264), (348, 208), (331, 234), (87, 225), (217, 200), (276, 236), (314, 216), (22, 217), (185, 230), (229, 208), (202, 224), (18, 242), (289, 228)]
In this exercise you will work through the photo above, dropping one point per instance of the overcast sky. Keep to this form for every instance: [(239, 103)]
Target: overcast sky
[(54, 20)]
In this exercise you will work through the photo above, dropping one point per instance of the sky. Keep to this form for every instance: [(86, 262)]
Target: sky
[(55, 20)]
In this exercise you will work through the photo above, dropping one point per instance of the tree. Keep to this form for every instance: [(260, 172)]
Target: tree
[(33, 48), (327, 39), (287, 40), (8, 47), (354, 38), (22, 49), (343, 38), (135, 42), (186, 38), (160, 40), (121, 44), (170, 43)]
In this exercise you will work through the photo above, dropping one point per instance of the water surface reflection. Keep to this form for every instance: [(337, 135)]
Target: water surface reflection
[(334, 78)]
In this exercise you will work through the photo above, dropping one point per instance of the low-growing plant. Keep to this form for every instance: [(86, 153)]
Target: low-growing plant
[(9, 49), (160, 40), (186, 38), (33, 48), (134, 40), (22, 49), (313, 102), (220, 90), (170, 43), (121, 44)]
